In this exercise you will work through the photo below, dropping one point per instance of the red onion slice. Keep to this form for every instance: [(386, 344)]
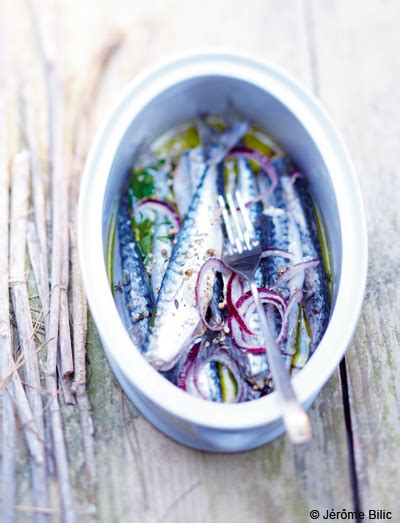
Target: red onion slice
[(185, 376), (246, 307), (231, 293), (241, 340), (201, 354), (266, 295), (295, 176), (295, 269), (296, 298), (225, 359), (160, 207)]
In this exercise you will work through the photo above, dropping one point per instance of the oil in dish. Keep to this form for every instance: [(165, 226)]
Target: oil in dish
[(193, 319)]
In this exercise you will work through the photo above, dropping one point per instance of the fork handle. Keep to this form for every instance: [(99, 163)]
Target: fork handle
[(296, 419)]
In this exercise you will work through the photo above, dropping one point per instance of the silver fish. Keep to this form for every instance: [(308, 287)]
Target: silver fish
[(216, 144), (176, 320), (288, 346), (186, 178), (256, 366), (209, 383), (135, 283), (316, 290), (276, 230), (219, 378), (163, 231)]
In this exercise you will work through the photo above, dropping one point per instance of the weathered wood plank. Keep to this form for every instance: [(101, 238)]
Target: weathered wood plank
[(162, 480), (357, 47), (143, 475), (143, 472)]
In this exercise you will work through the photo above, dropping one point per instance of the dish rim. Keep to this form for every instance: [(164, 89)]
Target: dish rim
[(116, 341)]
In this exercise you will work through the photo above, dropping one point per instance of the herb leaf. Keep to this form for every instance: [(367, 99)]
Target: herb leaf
[(142, 184)]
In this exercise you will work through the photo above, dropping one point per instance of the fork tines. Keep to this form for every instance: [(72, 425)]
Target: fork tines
[(241, 235)]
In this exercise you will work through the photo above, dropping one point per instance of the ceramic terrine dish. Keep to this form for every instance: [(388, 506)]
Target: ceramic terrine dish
[(179, 328)]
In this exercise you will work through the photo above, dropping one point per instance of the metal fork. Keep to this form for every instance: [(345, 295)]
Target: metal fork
[(244, 254)]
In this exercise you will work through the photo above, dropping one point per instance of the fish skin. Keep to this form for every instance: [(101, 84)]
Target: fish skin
[(276, 231), (209, 377), (161, 247), (283, 233), (214, 345), (217, 315), (247, 186), (215, 143), (135, 281), (186, 178), (182, 184), (316, 288), (256, 367), (209, 382), (161, 253), (176, 320), (197, 167)]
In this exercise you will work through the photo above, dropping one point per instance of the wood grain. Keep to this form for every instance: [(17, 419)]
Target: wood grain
[(359, 67), (144, 471), (347, 53)]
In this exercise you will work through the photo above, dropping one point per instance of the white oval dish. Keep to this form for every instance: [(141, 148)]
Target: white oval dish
[(155, 101)]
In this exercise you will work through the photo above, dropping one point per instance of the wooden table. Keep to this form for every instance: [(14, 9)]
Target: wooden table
[(347, 52)]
